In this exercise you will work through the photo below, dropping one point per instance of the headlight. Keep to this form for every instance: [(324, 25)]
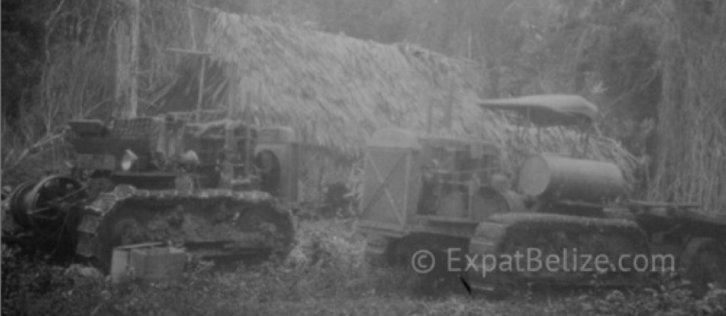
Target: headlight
[(128, 160)]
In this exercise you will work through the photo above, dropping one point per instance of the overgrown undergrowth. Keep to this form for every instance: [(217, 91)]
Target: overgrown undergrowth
[(324, 276)]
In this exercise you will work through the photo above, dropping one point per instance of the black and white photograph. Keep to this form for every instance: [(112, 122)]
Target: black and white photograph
[(363, 157)]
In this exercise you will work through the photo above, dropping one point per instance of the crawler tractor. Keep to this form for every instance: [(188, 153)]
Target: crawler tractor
[(219, 189), (452, 199)]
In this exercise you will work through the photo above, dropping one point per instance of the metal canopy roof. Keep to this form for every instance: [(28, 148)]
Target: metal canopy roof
[(548, 110)]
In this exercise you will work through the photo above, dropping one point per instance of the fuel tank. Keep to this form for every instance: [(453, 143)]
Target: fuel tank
[(554, 177)]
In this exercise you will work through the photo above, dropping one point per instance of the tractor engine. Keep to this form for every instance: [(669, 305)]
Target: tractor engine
[(170, 152), (444, 180), (462, 179), (158, 152)]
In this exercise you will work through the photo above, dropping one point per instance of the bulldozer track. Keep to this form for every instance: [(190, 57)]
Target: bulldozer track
[(210, 224)]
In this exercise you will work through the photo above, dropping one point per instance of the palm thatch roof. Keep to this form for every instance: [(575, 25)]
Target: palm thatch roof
[(336, 91)]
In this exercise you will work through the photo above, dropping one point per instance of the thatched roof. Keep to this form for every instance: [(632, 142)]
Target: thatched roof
[(337, 90)]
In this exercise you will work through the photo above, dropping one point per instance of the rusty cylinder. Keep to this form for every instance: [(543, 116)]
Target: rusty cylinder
[(559, 178)]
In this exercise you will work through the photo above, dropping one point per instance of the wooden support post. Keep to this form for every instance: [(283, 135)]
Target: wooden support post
[(450, 104), (249, 146), (127, 61), (200, 97), (134, 66)]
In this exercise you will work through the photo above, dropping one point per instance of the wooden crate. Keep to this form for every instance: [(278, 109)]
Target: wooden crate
[(154, 262)]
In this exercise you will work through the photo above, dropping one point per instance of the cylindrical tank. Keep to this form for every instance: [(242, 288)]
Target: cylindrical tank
[(554, 177)]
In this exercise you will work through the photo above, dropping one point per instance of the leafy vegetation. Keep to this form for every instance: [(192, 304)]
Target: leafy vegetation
[(325, 276)]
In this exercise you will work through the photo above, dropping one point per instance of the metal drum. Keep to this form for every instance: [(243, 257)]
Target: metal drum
[(560, 178)]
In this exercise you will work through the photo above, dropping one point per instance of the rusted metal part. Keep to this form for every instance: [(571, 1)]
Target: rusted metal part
[(214, 222)]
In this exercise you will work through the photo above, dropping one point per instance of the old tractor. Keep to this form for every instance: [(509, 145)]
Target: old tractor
[(447, 209), (220, 189)]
